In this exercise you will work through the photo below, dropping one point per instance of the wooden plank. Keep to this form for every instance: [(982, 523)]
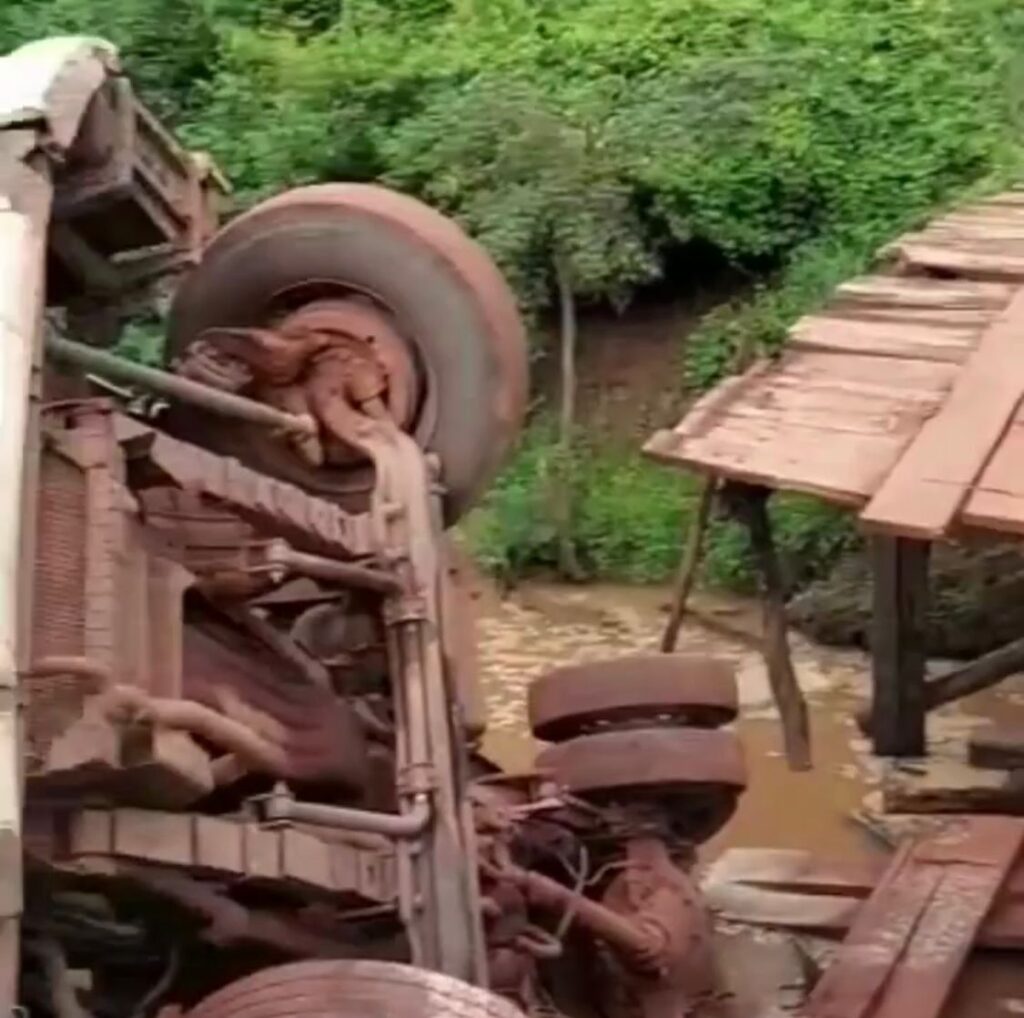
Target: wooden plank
[(799, 871), (1005, 470), (937, 318), (790, 458), (973, 265), (995, 511), (792, 910), (823, 423), (886, 338), (924, 292), (834, 914), (900, 598), (884, 925), (931, 482), (990, 230), (945, 934), (997, 501), (802, 892)]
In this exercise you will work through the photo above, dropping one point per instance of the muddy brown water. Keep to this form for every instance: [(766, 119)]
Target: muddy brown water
[(543, 624)]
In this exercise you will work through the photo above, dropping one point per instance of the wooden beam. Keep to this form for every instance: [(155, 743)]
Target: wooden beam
[(853, 983), (979, 674), (750, 505), (900, 576), (689, 564), (965, 680), (975, 863), (950, 787), (933, 478)]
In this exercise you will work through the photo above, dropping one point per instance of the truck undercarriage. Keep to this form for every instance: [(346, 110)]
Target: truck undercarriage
[(243, 679)]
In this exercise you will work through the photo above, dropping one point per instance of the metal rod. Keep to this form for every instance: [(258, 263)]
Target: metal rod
[(227, 404), (320, 568), (281, 806)]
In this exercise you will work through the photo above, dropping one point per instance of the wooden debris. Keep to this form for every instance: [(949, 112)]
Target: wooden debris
[(999, 748), (973, 864), (910, 939), (879, 935), (950, 786), (795, 890)]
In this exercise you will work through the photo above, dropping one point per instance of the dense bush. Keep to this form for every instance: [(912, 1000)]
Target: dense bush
[(631, 517), (793, 136)]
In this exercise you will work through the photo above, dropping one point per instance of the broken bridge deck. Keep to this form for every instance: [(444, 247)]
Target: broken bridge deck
[(901, 398)]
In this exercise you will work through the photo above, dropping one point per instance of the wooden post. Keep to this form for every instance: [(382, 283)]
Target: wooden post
[(749, 504), (900, 574), (688, 566)]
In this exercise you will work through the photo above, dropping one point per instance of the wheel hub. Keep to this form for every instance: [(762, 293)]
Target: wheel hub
[(346, 347)]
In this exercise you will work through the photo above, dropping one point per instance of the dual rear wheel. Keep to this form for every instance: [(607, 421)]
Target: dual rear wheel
[(645, 728)]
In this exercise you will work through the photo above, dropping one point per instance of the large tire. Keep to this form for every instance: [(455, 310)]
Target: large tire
[(638, 690), (351, 989), (695, 774), (448, 300)]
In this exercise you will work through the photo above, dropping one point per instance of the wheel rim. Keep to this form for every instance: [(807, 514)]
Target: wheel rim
[(300, 221)]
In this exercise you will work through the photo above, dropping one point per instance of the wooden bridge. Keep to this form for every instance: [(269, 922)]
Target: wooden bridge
[(902, 400)]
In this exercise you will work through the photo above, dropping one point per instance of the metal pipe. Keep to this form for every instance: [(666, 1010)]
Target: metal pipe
[(281, 806), (227, 404), (331, 571), (611, 927)]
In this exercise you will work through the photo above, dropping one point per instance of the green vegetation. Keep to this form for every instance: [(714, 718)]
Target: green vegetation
[(584, 140), (630, 518)]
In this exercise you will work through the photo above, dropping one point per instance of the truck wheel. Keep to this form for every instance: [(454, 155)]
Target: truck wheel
[(638, 690), (695, 774), (421, 294), (352, 989)]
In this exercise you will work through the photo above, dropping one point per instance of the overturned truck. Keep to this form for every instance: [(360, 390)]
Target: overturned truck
[(239, 724)]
